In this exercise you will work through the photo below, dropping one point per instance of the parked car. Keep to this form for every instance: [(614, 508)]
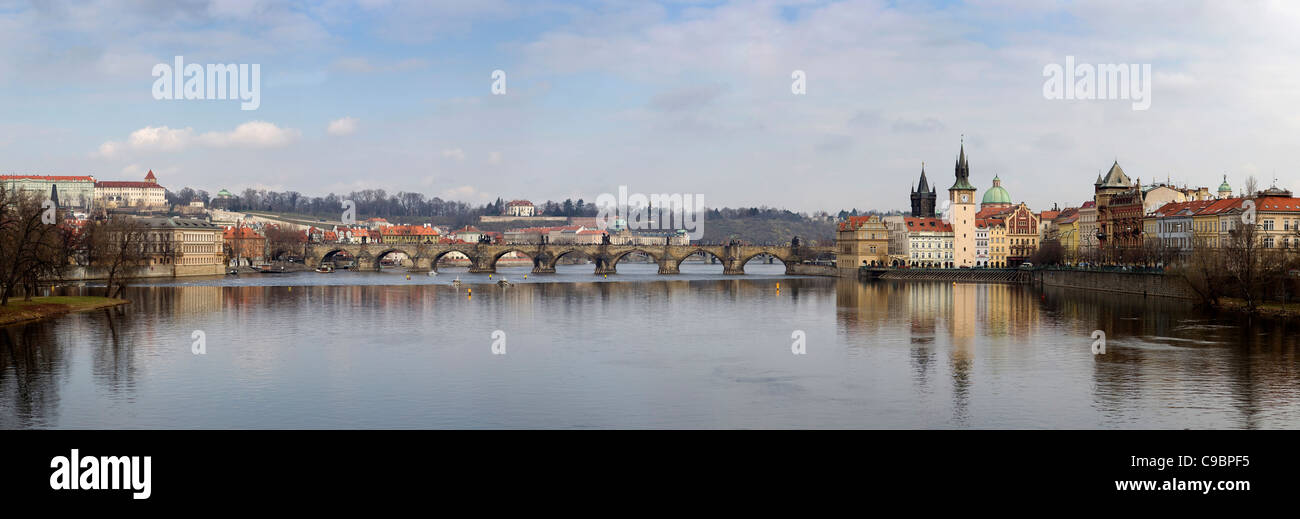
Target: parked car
[(1026, 265)]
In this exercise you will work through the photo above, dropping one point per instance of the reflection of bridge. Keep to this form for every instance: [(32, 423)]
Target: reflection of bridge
[(483, 257)]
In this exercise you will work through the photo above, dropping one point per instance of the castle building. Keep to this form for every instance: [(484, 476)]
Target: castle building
[(144, 194), (923, 198), (962, 197)]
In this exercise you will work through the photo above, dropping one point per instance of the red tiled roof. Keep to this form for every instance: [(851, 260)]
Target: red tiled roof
[(1219, 206), (519, 202), (854, 222), (232, 233), (1278, 203), (50, 178), (127, 183), (927, 224), (990, 212), (150, 176)]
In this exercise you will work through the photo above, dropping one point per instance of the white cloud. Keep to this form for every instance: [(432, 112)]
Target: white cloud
[(454, 153), (252, 134), (344, 126)]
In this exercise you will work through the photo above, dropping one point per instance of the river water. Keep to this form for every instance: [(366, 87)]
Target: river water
[(639, 350)]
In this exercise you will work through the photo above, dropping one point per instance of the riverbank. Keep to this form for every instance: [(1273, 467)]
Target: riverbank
[(19, 311), (1271, 309)]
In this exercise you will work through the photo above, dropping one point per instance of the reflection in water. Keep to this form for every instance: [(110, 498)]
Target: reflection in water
[(697, 350)]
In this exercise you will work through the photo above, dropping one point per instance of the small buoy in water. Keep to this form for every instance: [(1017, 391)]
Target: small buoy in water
[(408, 277), (489, 276), (778, 286), (469, 290), (525, 276)]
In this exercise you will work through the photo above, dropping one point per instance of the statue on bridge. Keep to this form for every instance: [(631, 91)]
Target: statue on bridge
[(795, 242)]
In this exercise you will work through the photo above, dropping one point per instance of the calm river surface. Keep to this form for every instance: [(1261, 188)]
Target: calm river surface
[(638, 350)]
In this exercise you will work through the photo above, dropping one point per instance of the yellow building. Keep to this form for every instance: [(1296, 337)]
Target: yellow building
[(861, 241), (188, 246), (998, 246)]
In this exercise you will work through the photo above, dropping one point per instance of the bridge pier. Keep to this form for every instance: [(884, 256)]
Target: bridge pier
[(541, 268), (668, 266), (421, 265)]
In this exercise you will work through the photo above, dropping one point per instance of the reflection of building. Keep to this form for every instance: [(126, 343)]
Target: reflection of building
[(74, 191), (861, 240), (145, 194)]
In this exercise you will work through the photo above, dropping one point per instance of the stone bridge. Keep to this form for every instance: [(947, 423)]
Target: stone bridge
[(483, 257)]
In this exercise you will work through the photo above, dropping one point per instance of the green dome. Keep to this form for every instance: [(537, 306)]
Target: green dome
[(997, 194), (1224, 186)]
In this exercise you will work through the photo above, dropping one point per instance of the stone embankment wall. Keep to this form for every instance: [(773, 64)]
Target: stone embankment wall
[(1145, 284)]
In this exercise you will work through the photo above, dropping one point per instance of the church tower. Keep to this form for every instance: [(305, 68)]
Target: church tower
[(923, 198), (962, 215)]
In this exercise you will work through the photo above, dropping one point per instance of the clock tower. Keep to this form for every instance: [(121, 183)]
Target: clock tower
[(962, 214)]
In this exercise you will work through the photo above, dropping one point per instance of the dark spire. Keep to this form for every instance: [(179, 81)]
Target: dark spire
[(962, 169), (54, 194)]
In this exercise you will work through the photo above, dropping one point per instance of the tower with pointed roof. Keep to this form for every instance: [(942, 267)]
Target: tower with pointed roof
[(962, 213), (1116, 195), (923, 198)]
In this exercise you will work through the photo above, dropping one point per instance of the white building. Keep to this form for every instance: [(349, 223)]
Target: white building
[(520, 208), (148, 193), (929, 243), (73, 191)]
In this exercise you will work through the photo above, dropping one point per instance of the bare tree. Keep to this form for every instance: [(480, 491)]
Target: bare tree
[(1204, 271), (118, 245), (1253, 266), (33, 245)]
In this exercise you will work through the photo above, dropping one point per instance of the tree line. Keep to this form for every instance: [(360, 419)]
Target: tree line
[(38, 245)]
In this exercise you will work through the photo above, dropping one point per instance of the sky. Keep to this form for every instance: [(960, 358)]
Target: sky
[(691, 97)]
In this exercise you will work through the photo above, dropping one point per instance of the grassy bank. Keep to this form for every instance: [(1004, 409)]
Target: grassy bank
[(18, 310)]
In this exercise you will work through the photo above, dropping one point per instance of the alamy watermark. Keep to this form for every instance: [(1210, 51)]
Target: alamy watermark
[(638, 211), (1104, 81), (242, 82)]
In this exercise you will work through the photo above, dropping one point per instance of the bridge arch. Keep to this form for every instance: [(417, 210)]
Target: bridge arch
[(385, 251), (703, 251), (492, 262), (617, 257), (775, 254)]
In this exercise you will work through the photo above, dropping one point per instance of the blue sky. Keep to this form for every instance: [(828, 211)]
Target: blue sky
[(673, 97)]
